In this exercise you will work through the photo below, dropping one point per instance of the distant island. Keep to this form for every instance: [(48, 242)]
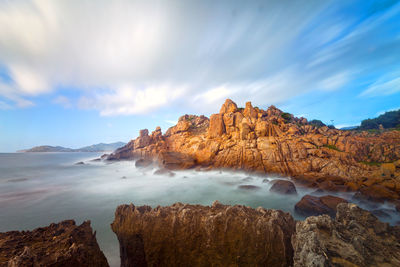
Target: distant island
[(101, 147)]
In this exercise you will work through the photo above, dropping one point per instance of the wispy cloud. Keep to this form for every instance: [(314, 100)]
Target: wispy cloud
[(380, 88), (134, 57)]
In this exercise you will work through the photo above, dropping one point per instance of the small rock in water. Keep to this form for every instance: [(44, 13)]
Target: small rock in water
[(249, 187), (313, 206), (80, 163), (95, 160), (123, 177), (283, 187), (266, 180), (164, 172), (247, 179), (142, 163)]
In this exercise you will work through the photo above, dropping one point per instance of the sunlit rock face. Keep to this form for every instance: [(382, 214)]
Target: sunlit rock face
[(354, 238), (61, 244), (195, 235), (271, 141)]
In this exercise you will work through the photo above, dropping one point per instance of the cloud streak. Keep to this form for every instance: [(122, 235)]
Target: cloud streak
[(134, 57)]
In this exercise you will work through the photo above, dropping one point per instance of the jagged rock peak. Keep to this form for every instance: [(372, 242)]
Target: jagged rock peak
[(228, 107)]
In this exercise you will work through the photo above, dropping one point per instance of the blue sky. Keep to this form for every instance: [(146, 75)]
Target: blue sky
[(77, 73)]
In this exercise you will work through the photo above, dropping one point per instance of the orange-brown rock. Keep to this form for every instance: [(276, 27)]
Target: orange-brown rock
[(194, 235), (270, 141), (61, 244)]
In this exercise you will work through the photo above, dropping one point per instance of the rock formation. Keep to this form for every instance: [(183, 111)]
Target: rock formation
[(194, 235), (312, 205), (271, 141), (354, 238), (61, 244)]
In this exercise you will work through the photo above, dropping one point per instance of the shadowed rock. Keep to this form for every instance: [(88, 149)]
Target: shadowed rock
[(142, 163), (312, 205), (283, 187), (354, 238), (194, 235), (61, 244)]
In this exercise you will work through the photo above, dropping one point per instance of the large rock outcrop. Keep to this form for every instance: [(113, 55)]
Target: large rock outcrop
[(194, 235), (354, 238), (220, 235), (61, 244), (271, 141)]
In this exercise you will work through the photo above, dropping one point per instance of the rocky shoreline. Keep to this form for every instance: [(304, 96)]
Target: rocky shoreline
[(217, 235), (61, 244), (274, 142)]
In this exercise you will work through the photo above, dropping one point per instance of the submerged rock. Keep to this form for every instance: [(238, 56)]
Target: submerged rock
[(195, 235), (61, 244), (312, 205), (354, 238), (283, 187), (142, 163), (249, 187)]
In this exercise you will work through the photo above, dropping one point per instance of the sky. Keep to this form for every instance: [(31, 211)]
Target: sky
[(75, 73)]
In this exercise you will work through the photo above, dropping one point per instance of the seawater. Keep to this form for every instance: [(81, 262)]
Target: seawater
[(37, 189)]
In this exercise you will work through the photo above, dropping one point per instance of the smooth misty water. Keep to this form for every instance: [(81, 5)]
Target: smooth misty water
[(37, 189)]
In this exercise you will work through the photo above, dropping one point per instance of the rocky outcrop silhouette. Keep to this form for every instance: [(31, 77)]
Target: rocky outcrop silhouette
[(272, 141), (220, 235), (61, 244), (195, 235)]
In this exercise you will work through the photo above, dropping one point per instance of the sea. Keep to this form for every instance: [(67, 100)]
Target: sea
[(37, 189)]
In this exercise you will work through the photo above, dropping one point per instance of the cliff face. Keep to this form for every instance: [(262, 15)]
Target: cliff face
[(61, 244), (194, 235), (271, 141)]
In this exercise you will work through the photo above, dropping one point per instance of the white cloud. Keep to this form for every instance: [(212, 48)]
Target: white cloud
[(171, 122), (128, 100), (380, 88), (335, 82), (133, 57)]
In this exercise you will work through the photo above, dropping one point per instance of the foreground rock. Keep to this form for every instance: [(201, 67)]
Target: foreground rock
[(312, 205), (271, 141), (354, 238), (283, 187), (194, 235), (61, 244)]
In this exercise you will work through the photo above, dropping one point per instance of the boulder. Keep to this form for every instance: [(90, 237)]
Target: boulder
[(376, 193), (312, 205), (59, 244), (142, 163), (195, 235), (176, 160), (283, 187), (354, 238), (217, 127)]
